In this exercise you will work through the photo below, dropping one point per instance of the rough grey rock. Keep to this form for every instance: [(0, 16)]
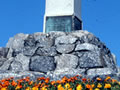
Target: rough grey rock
[(68, 39), (100, 71), (2, 60), (43, 40), (6, 64), (17, 42), (16, 66), (20, 74), (29, 51), (3, 52), (51, 51), (42, 64), (65, 48), (24, 60), (90, 60), (86, 46), (55, 34), (58, 74), (66, 61)]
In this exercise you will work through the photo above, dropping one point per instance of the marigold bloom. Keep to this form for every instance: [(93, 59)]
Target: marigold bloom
[(92, 85), (60, 87), (44, 88), (99, 85), (31, 82), (107, 86), (35, 88), (18, 87), (14, 83), (47, 80), (67, 86), (58, 81), (69, 80), (99, 79), (97, 89), (79, 87), (4, 88), (52, 82), (70, 89), (88, 86), (108, 77)]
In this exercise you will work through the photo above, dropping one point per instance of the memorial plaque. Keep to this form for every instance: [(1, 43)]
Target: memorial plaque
[(63, 23)]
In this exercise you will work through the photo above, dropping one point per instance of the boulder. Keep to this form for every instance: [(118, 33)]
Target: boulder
[(90, 60), (16, 66), (3, 52), (65, 48), (67, 39), (100, 71), (42, 64), (66, 61), (6, 64), (51, 51)]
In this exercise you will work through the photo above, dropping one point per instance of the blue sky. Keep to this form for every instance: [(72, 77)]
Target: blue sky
[(101, 17)]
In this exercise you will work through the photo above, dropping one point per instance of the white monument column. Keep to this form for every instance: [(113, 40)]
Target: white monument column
[(62, 15)]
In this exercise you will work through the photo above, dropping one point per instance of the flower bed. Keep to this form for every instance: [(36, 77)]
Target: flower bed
[(73, 83)]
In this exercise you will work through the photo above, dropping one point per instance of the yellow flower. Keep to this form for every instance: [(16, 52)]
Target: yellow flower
[(79, 87), (35, 88), (18, 87), (44, 88), (92, 85), (99, 85), (4, 88), (97, 89), (107, 86), (60, 87), (67, 86)]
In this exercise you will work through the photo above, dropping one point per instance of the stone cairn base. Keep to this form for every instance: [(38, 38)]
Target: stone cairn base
[(56, 54)]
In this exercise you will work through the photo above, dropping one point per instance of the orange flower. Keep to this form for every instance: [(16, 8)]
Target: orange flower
[(64, 79), (69, 80), (99, 79), (75, 78), (47, 80), (114, 81), (108, 77), (14, 83), (88, 86), (107, 86), (58, 81), (18, 87), (52, 82), (31, 82)]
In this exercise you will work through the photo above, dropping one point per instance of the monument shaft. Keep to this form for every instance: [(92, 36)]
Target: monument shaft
[(62, 15)]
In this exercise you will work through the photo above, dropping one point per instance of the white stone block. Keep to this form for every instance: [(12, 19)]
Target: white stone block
[(63, 8)]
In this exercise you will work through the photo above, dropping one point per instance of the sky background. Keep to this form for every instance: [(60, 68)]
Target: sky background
[(100, 17)]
